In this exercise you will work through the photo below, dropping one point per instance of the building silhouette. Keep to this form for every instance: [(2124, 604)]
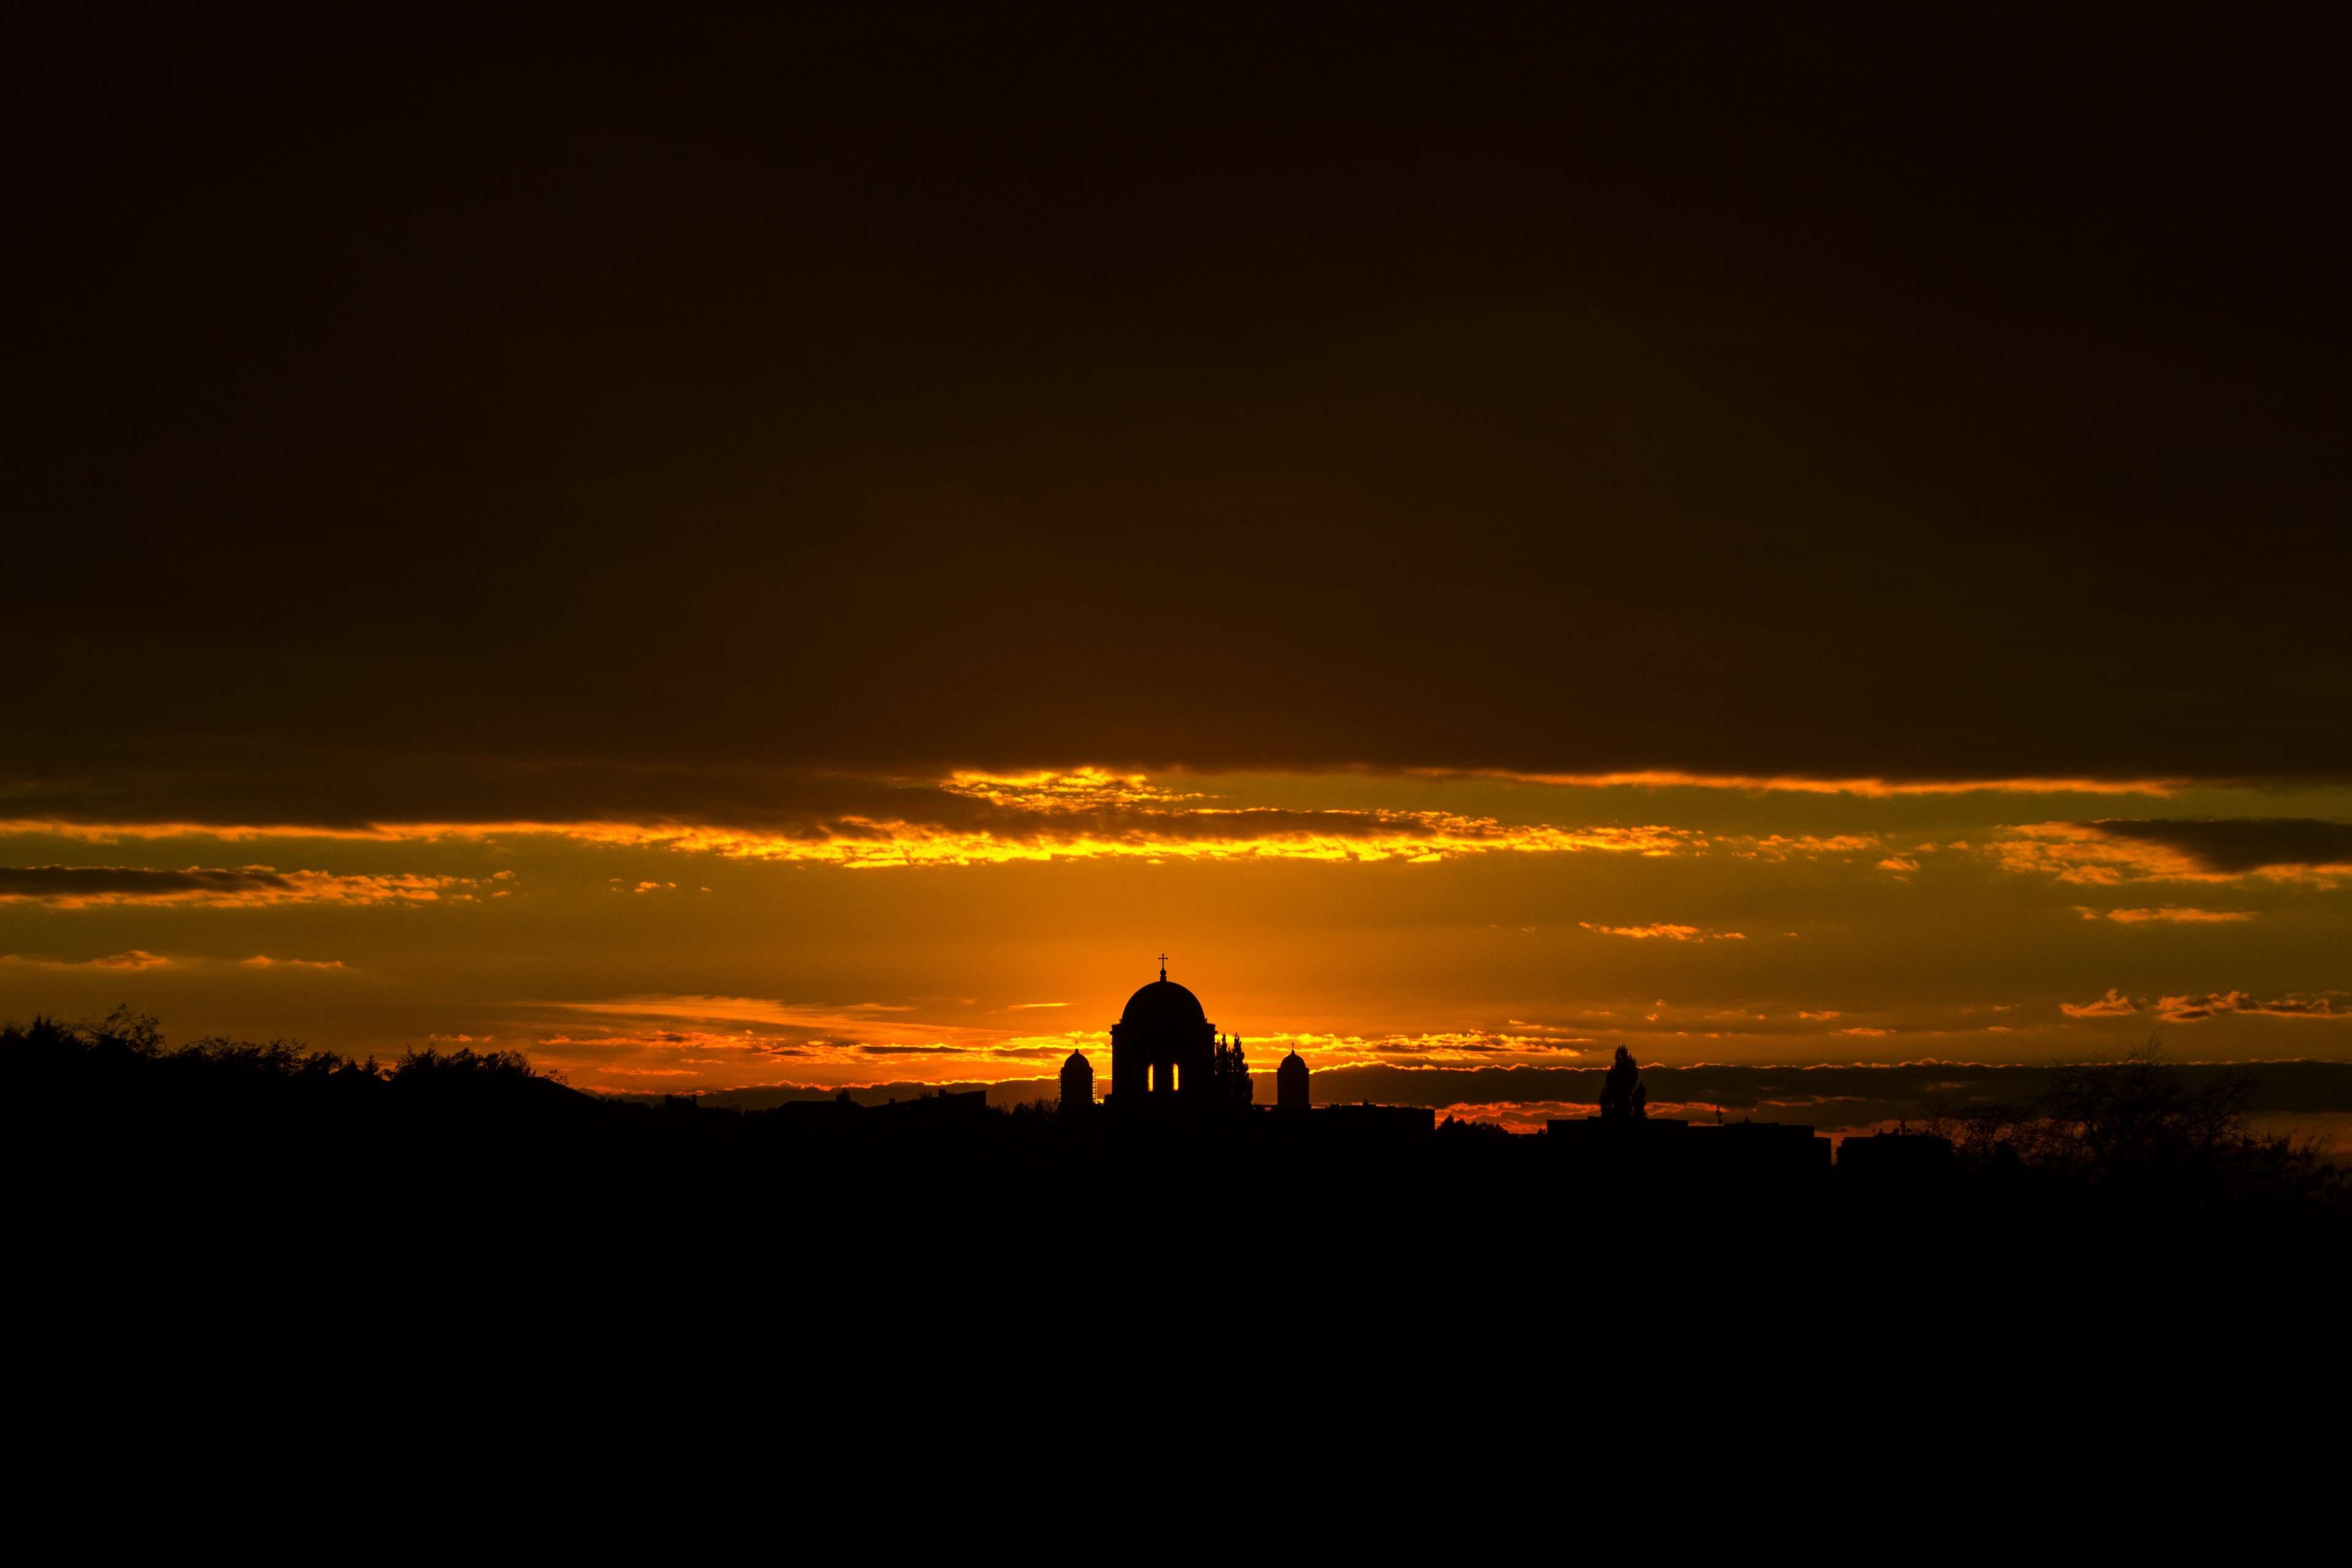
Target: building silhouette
[(1077, 1084), (1290, 1084), (1164, 1051), (1623, 1136)]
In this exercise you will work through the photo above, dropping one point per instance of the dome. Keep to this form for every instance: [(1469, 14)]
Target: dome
[(1294, 1056), (1164, 1004), (1077, 1060)]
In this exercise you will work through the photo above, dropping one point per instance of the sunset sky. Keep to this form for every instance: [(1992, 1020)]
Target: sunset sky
[(808, 555)]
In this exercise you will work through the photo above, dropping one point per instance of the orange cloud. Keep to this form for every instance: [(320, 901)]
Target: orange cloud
[(248, 887), (2113, 1005), (263, 960), (136, 959), (1076, 790), (2195, 849), (2084, 854), (1666, 931), (2194, 1009), (1188, 834), (1782, 847), (1194, 834), (226, 831), (974, 818), (1874, 788), (2173, 913)]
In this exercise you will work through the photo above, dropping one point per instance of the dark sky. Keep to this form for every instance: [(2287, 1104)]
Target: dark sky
[(807, 551), (401, 409)]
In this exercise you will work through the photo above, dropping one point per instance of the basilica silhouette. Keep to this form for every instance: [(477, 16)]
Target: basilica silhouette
[(1165, 1057)]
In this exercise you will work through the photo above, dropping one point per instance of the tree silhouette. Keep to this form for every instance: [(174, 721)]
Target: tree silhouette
[(1623, 1096), (1230, 1075), (2138, 1127)]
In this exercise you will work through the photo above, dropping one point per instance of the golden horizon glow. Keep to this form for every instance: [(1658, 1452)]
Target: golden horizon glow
[(1535, 926)]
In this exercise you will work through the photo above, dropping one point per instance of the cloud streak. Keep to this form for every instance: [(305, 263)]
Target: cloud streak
[(1797, 783), (249, 886), (2167, 914), (2204, 850), (965, 818), (2328, 1005), (126, 962), (2114, 1004), (1663, 931)]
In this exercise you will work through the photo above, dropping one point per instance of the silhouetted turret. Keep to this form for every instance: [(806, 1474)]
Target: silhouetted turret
[(1290, 1083), (1077, 1084)]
